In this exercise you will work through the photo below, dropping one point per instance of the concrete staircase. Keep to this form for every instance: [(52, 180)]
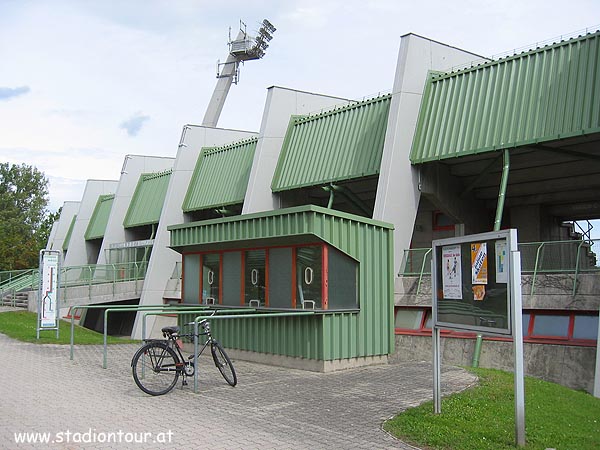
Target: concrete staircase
[(19, 300), (577, 233)]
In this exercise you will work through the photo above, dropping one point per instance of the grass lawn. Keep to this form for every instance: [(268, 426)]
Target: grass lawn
[(483, 417), (21, 325)]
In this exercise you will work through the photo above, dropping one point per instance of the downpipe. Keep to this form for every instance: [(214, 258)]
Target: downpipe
[(497, 224)]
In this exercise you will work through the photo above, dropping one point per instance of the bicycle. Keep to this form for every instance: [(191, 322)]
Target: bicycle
[(159, 363)]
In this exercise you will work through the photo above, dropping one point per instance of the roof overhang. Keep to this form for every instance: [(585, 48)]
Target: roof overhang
[(303, 224)]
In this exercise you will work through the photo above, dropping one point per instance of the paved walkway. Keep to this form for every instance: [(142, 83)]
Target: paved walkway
[(43, 391)]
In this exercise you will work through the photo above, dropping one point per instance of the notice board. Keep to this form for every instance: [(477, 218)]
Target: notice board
[(472, 282)]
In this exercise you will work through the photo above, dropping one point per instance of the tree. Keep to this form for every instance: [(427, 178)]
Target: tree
[(23, 202)]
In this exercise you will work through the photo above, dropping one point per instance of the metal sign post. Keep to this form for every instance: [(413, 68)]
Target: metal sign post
[(517, 320), (48, 294), (597, 373), (476, 286)]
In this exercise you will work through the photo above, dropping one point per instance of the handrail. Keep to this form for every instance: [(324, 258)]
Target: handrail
[(199, 308), (235, 316), (408, 258), (422, 270), (18, 280), (115, 308), (537, 255), (564, 256), (6, 276), (577, 267)]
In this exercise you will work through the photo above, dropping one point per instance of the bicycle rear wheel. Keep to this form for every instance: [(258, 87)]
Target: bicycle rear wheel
[(156, 368), (223, 363)]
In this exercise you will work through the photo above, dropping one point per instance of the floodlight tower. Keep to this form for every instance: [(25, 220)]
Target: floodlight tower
[(243, 48)]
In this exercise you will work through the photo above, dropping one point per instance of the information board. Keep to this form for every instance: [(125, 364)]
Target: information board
[(470, 277), (48, 292)]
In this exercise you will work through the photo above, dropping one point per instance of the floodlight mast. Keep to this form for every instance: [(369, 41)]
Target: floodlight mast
[(242, 48)]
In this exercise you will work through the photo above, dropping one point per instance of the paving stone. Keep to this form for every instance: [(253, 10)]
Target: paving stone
[(270, 408)]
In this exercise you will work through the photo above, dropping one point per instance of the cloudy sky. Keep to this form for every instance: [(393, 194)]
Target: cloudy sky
[(85, 82)]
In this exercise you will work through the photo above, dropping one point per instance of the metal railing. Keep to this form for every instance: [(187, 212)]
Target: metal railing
[(15, 281), (91, 275), (552, 257), (585, 227), (12, 282), (559, 257), (417, 261)]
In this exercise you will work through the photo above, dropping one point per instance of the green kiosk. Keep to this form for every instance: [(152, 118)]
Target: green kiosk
[(336, 265)]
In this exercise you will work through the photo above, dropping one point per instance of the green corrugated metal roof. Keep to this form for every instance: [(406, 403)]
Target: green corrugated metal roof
[(65, 245), (545, 94), (221, 176), (336, 145), (99, 219), (147, 201), (297, 221)]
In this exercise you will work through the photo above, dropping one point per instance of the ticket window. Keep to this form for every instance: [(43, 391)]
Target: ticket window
[(302, 277), (254, 278), (190, 282), (211, 270), (309, 277)]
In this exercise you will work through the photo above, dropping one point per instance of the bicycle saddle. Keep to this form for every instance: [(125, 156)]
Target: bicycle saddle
[(171, 330)]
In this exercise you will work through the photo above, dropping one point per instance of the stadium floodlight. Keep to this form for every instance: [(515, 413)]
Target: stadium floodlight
[(256, 51), (260, 43), (264, 36), (241, 48), (268, 26)]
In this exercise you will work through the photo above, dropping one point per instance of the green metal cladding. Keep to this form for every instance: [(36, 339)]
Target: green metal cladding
[(147, 201), (221, 176), (337, 145), (99, 219), (65, 245), (324, 335), (541, 95)]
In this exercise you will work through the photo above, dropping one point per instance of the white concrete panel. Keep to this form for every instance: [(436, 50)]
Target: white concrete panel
[(398, 193), (163, 259), (69, 209), (77, 253), (281, 104), (51, 236), (133, 167)]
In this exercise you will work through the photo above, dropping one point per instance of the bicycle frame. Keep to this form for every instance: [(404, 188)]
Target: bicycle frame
[(171, 341)]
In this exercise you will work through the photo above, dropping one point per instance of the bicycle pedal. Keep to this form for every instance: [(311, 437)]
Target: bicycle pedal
[(184, 383)]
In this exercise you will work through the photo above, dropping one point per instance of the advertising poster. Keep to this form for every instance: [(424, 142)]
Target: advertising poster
[(479, 263), (451, 272), (501, 269)]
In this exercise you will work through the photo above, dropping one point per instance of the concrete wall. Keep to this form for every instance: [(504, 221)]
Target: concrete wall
[(133, 167), (163, 259), (281, 104), (571, 366), (51, 235), (56, 241), (77, 253), (398, 194)]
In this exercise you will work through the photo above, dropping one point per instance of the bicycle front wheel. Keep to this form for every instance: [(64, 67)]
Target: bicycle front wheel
[(156, 368), (223, 363)]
